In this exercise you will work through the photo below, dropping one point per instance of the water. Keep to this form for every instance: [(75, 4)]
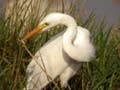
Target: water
[(100, 7), (104, 8)]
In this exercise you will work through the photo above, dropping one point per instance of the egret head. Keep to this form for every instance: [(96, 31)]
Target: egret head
[(52, 20)]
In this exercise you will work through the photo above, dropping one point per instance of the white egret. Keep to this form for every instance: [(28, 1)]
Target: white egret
[(62, 55)]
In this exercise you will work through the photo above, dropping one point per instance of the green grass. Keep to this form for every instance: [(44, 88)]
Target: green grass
[(101, 74)]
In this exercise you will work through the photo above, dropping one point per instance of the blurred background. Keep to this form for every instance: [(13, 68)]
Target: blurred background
[(110, 9)]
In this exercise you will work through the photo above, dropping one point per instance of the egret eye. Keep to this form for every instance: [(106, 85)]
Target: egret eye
[(46, 24)]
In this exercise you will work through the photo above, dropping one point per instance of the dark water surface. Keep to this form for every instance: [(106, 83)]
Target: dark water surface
[(108, 8)]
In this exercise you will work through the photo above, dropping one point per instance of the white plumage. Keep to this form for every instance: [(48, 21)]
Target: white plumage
[(62, 54)]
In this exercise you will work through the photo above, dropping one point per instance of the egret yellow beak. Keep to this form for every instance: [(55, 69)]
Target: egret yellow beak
[(34, 31)]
